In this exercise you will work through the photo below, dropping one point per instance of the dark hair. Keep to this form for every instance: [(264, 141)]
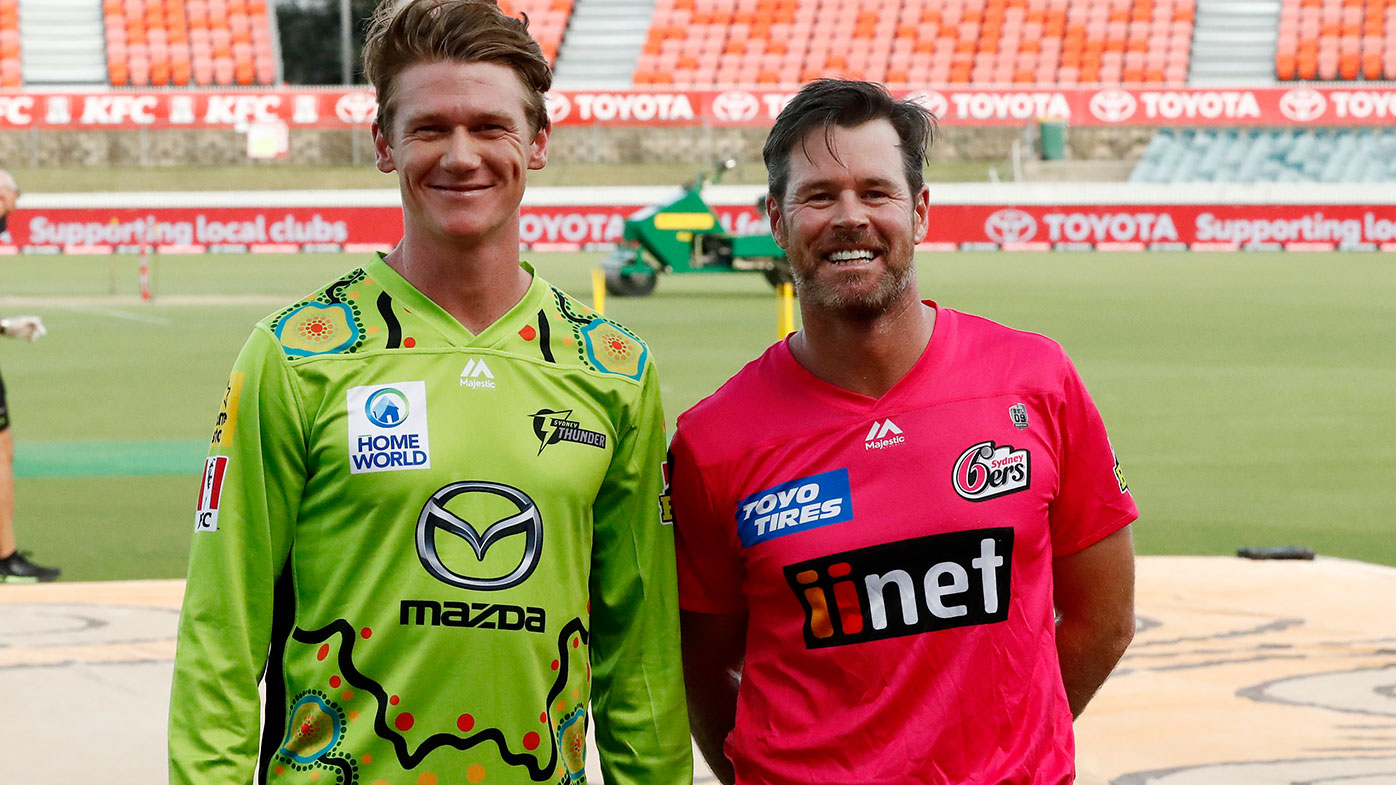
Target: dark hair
[(846, 103), (403, 34)]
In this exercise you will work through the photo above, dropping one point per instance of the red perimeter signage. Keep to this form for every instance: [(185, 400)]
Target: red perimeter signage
[(1358, 104), (980, 227)]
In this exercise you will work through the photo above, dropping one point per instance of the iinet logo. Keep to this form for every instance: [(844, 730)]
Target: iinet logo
[(476, 374), (882, 435), (909, 587)]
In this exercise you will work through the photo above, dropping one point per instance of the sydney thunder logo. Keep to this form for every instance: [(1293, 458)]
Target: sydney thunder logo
[(552, 427)]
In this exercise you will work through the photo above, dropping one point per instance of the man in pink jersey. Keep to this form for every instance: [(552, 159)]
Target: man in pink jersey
[(915, 566)]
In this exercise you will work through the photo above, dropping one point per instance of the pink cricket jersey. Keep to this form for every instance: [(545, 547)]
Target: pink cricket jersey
[(895, 557)]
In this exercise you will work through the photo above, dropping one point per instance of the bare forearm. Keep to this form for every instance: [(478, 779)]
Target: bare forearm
[(1088, 651), (712, 713)]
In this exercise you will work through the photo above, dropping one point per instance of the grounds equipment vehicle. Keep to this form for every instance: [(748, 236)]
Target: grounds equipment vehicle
[(685, 236)]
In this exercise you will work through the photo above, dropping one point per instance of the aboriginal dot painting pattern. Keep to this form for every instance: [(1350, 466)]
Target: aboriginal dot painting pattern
[(602, 344), (329, 324)]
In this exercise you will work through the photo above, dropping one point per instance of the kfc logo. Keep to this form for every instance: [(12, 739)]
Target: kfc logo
[(1303, 104), (931, 101), (1113, 106), (356, 108), (736, 106), (558, 107), (1010, 226)]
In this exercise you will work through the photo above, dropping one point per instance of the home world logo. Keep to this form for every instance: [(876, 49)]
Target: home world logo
[(388, 427)]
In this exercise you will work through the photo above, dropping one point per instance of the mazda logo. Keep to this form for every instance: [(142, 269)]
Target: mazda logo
[(436, 517), (736, 106), (1113, 106), (1303, 104), (355, 108), (1010, 226)]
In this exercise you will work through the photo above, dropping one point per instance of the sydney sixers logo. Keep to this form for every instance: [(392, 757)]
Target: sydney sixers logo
[(986, 471)]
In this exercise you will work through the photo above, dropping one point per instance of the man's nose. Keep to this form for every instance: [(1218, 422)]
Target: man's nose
[(850, 212), (462, 152)]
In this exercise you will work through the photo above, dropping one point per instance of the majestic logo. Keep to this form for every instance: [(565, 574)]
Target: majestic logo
[(1303, 104), (479, 498), (387, 408), (1010, 226), (477, 375), (795, 506), (736, 106), (559, 106), (882, 435), (388, 427), (910, 587), (210, 493), (1113, 106), (1019, 414), (931, 101), (356, 108), (986, 471), (552, 427)]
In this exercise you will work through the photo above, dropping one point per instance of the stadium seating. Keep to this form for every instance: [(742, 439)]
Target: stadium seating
[(188, 42), (10, 67), (1067, 42), (547, 21), (1262, 156), (1337, 39)]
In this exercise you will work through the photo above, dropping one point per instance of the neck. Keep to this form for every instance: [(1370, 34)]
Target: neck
[(865, 355), (477, 284)]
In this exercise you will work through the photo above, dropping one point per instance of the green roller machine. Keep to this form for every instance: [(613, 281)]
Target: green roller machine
[(684, 236)]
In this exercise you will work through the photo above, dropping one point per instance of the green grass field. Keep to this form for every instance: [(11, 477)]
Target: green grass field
[(1249, 396)]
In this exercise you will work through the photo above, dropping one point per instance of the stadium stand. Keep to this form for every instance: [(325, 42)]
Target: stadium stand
[(547, 21), (1337, 39), (189, 42), (11, 72), (61, 42), (1269, 155), (1066, 42)]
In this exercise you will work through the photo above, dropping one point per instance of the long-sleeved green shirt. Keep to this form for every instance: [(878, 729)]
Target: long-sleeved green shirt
[(443, 553)]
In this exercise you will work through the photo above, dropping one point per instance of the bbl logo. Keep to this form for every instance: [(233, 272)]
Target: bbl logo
[(510, 512), (914, 586), (387, 408)]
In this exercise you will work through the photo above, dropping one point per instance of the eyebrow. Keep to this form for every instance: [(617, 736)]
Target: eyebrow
[(827, 183), (496, 118)]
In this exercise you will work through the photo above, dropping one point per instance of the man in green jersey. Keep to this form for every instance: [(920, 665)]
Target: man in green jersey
[(430, 519)]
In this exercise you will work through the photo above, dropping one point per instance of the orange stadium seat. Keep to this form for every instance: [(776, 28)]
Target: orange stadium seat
[(1335, 39)]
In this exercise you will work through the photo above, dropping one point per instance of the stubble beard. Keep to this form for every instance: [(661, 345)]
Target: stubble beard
[(862, 303)]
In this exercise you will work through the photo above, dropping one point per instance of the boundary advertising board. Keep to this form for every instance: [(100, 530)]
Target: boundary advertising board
[(1352, 104), (1102, 226)]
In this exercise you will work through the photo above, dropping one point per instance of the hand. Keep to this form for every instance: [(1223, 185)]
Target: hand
[(29, 327)]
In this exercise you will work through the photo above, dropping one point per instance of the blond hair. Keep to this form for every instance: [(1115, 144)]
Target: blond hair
[(406, 33)]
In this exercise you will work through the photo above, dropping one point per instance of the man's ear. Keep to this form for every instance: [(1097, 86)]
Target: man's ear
[(921, 214), (538, 158), (382, 150), (777, 218)]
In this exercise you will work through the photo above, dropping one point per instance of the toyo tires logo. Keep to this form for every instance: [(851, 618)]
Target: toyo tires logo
[(1010, 226)]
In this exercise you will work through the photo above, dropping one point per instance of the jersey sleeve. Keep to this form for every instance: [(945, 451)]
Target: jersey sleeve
[(1093, 501), (637, 673), (248, 498), (710, 566)]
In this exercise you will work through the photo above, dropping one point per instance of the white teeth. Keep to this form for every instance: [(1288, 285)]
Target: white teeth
[(851, 256)]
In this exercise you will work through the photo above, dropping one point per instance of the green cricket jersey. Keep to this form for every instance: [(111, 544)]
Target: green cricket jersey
[(445, 554)]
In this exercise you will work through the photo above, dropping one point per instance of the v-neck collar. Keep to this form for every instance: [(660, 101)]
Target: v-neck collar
[(923, 371), (444, 323)]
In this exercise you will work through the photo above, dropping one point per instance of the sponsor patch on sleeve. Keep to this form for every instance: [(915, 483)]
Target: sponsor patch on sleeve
[(210, 494), (795, 506), (227, 421), (666, 508)]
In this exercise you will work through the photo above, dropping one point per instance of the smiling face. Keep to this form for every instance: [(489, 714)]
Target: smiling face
[(849, 221), (461, 145)]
